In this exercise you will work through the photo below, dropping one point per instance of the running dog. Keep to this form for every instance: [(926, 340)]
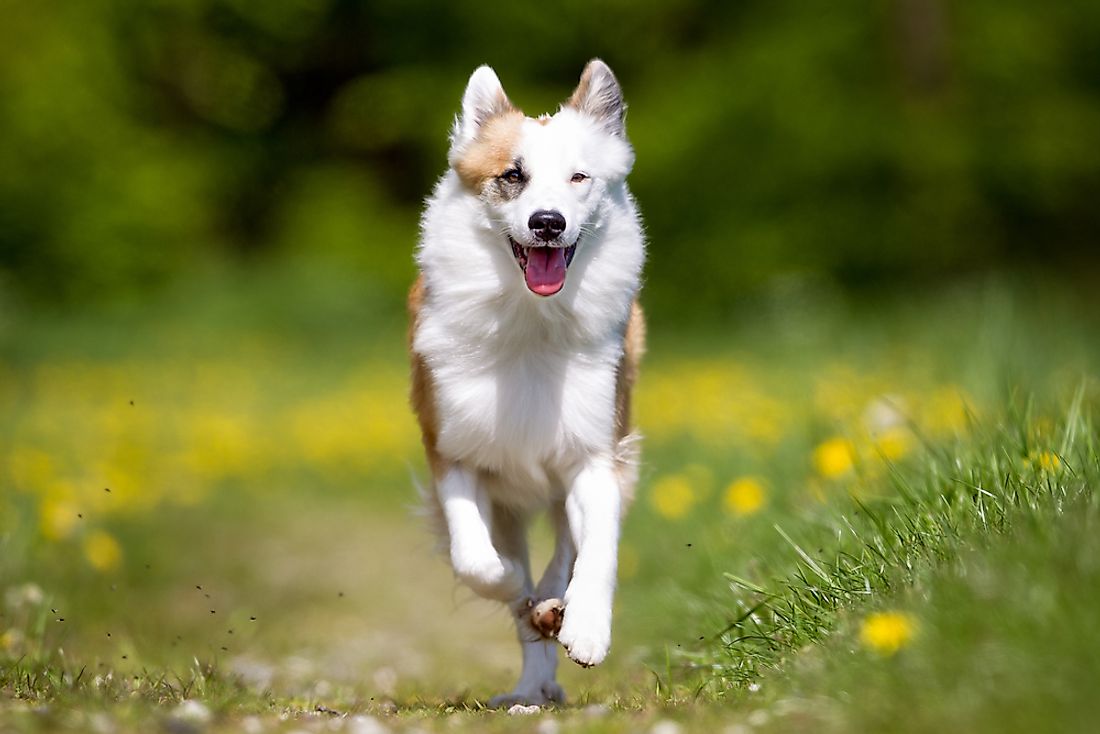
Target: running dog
[(525, 340)]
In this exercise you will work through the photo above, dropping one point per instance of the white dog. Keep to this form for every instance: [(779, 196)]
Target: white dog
[(525, 341)]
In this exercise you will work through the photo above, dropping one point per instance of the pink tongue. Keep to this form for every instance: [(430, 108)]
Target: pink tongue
[(545, 270)]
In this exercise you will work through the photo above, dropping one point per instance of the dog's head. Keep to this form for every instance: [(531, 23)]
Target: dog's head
[(543, 181)]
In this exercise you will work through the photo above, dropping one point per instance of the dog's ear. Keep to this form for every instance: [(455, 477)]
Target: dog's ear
[(600, 97), (483, 100)]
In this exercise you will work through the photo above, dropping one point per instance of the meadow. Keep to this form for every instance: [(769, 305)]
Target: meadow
[(856, 513), (867, 498)]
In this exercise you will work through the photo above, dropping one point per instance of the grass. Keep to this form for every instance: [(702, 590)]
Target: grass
[(978, 490), (853, 515)]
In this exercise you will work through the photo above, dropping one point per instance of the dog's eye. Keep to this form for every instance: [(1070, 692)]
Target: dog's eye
[(512, 176), (579, 177)]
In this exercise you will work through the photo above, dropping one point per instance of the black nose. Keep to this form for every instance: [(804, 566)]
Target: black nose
[(546, 225)]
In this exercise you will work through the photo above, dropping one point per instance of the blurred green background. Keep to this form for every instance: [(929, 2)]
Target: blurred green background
[(859, 143), (873, 240)]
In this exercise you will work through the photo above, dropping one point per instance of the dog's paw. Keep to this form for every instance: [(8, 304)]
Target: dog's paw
[(548, 693), (492, 577), (546, 617), (585, 634)]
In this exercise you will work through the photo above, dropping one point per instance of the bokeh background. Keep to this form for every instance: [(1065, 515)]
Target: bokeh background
[(873, 229), (904, 139)]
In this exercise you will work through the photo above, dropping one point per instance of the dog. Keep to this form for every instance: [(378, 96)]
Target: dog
[(525, 338)]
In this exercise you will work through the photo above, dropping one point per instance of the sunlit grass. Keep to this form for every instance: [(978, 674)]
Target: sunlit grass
[(234, 527)]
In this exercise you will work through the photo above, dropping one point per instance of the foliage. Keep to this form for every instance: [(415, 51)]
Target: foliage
[(142, 139)]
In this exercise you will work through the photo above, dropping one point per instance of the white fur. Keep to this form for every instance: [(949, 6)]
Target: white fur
[(483, 97), (524, 384)]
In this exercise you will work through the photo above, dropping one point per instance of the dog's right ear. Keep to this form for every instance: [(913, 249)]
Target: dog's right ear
[(483, 100)]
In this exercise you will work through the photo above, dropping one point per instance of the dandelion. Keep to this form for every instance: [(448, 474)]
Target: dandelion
[(1049, 461), (744, 496), (56, 518), (102, 551), (673, 496), (887, 632), (11, 642), (834, 457)]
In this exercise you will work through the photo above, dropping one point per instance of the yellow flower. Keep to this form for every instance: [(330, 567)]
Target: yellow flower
[(56, 518), (894, 443), (11, 641), (887, 632), (1049, 461), (834, 457), (745, 496), (673, 496), (102, 550)]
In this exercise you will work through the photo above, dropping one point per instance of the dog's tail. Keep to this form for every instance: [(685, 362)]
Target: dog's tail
[(627, 462)]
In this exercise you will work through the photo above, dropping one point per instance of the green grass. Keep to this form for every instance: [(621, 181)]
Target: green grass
[(295, 588), (991, 556)]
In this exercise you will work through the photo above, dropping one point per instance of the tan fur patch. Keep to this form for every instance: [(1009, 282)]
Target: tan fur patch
[(492, 152), (422, 395), (633, 349)]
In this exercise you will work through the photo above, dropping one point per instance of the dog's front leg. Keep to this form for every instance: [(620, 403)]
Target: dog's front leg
[(475, 560), (593, 506)]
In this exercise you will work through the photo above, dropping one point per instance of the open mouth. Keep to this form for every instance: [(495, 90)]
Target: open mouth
[(543, 267)]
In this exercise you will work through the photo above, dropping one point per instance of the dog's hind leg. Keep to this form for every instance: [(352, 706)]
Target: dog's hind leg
[(537, 684), (469, 515)]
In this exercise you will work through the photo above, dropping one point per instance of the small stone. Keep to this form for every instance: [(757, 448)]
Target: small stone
[(251, 725), (172, 725), (520, 710), (548, 726), (385, 680), (193, 712), (666, 726), (27, 595), (364, 724), (101, 723), (596, 710), (758, 718)]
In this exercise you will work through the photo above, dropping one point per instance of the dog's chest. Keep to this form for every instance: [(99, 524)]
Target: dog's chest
[(529, 415)]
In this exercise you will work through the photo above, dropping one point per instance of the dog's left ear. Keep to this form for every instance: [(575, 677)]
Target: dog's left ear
[(600, 97), (483, 100)]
